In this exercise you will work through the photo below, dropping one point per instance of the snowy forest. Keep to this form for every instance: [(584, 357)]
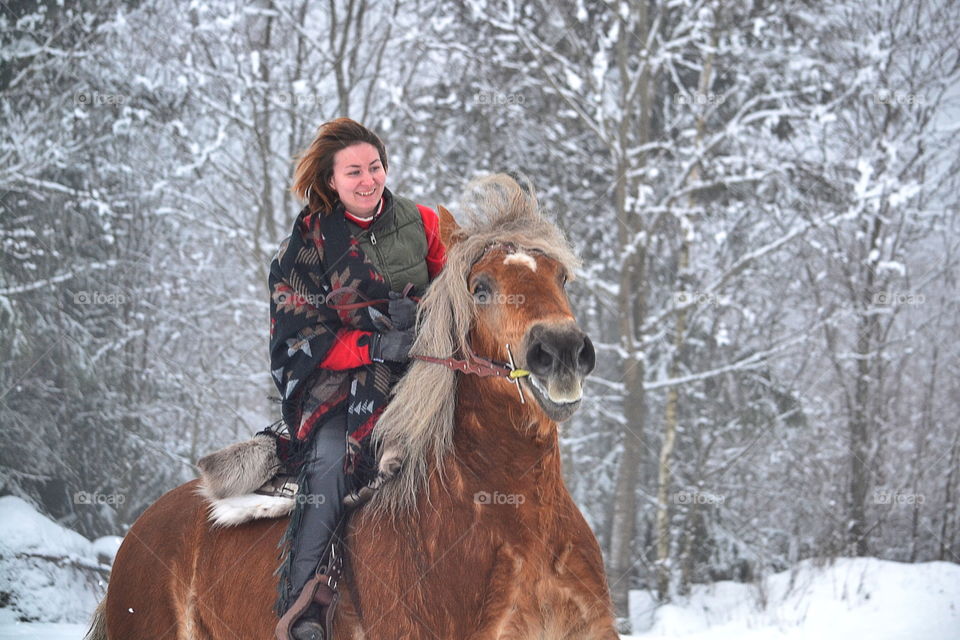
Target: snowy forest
[(764, 195)]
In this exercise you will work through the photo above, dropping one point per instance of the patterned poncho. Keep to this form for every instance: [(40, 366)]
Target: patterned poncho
[(319, 257)]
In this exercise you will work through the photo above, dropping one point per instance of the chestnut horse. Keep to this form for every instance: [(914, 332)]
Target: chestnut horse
[(477, 537)]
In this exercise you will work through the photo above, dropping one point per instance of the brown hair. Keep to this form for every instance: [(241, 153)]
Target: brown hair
[(311, 179)]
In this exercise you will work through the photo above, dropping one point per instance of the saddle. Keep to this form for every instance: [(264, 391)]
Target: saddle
[(246, 481)]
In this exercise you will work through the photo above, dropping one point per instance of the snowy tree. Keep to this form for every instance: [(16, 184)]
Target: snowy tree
[(763, 195)]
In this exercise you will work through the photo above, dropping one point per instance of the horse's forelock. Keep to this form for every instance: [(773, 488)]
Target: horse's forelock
[(419, 419)]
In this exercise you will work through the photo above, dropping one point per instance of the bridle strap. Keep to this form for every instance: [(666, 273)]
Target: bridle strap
[(476, 366)]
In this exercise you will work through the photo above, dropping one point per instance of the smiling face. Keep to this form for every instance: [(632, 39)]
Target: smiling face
[(358, 178)]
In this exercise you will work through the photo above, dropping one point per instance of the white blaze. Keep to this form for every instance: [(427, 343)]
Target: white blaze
[(521, 258)]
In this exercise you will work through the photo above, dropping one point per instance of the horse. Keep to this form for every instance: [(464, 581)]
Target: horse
[(477, 537)]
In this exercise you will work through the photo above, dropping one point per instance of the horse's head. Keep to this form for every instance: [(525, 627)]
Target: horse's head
[(503, 284), (520, 300)]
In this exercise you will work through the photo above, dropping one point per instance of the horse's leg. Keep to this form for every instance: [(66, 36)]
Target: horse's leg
[(579, 572), (500, 597)]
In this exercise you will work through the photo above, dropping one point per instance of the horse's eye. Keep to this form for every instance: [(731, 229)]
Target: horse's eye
[(481, 293)]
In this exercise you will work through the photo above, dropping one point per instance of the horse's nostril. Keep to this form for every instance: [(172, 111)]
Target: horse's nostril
[(561, 352), (539, 359), (587, 358)]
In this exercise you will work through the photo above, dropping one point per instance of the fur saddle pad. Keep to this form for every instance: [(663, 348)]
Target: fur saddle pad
[(246, 481)]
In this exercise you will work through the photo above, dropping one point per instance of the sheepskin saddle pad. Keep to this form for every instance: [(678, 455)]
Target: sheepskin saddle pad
[(246, 481)]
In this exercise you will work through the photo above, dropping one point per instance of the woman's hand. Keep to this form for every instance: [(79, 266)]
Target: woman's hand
[(392, 346), (402, 311)]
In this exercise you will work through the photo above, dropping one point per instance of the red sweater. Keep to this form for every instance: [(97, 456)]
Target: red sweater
[(346, 352)]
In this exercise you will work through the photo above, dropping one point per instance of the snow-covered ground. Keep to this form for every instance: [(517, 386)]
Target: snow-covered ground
[(49, 575), (850, 598), (11, 629)]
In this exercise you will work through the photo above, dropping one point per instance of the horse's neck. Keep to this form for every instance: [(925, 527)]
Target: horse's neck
[(496, 434)]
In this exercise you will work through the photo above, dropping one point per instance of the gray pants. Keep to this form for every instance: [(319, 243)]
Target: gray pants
[(322, 499)]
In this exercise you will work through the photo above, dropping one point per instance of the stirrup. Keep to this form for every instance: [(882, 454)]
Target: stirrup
[(316, 591), (321, 589), (309, 629)]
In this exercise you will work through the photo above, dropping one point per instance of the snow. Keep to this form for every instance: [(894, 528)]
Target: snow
[(853, 598), (905, 193), (22, 530), (892, 266), (105, 548), (47, 572), (11, 629), (866, 172)]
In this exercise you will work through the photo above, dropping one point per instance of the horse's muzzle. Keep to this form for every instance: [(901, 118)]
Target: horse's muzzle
[(559, 356)]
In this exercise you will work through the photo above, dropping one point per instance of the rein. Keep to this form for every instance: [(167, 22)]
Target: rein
[(472, 364), (483, 368), (478, 366)]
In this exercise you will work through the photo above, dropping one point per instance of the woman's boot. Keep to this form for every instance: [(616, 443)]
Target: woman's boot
[(321, 500)]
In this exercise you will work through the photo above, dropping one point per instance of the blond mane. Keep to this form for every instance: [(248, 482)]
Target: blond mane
[(419, 419)]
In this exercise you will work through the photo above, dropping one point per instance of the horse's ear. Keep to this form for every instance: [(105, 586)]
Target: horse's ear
[(448, 227)]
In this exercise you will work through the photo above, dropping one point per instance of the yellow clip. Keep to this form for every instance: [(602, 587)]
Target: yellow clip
[(515, 374)]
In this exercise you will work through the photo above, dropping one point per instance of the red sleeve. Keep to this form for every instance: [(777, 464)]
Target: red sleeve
[(350, 350), (436, 253)]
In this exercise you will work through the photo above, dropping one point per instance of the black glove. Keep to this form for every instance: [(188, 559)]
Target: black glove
[(393, 346), (402, 310)]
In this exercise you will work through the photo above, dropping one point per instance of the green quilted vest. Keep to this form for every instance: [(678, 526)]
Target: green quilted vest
[(396, 243)]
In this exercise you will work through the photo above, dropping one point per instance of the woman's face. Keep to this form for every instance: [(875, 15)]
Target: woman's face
[(358, 178)]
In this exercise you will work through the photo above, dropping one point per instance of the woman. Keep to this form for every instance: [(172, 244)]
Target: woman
[(333, 361)]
